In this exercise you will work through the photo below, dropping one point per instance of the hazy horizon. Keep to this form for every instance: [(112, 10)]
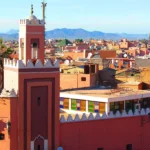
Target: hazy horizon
[(125, 16)]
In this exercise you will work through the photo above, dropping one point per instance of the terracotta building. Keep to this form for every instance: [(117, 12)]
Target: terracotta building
[(29, 107), (30, 83)]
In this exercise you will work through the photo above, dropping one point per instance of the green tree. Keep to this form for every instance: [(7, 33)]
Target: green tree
[(78, 40), (5, 54), (1, 41)]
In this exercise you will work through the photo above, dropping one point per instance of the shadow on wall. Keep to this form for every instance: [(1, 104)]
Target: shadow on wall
[(2, 126), (107, 77)]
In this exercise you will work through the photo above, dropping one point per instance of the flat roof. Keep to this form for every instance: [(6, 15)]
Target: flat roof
[(105, 95), (130, 83)]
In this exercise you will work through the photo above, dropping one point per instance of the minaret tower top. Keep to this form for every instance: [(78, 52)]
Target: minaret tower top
[(31, 38)]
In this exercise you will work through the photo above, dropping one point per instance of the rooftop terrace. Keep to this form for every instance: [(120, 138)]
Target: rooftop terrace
[(105, 95)]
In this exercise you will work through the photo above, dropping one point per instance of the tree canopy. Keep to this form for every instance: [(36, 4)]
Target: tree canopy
[(78, 40), (1, 41)]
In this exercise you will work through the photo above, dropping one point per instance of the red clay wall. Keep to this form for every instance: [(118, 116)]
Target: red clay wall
[(71, 81), (111, 134), (74, 55)]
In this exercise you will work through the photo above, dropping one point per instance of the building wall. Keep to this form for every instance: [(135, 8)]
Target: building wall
[(74, 55), (107, 53), (70, 81), (10, 82), (7, 109), (39, 111), (124, 44), (111, 134), (131, 86), (27, 80)]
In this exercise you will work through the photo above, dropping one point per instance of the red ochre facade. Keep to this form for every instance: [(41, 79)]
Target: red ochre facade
[(28, 120), (110, 134)]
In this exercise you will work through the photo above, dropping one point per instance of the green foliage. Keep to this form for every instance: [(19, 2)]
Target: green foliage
[(78, 40), (1, 41), (5, 55), (2, 46)]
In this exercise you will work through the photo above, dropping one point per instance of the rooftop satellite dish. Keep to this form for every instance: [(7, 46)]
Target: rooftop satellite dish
[(89, 55), (66, 62), (125, 55)]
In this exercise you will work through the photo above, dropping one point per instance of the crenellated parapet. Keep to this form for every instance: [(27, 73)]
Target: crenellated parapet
[(97, 116), (38, 64), (6, 93), (31, 22)]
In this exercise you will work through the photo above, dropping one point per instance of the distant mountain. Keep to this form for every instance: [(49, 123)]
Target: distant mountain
[(77, 33), (12, 31)]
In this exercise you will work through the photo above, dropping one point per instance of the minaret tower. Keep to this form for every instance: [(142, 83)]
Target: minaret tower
[(43, 13), (43, 10), (31, 38), (33, 85)]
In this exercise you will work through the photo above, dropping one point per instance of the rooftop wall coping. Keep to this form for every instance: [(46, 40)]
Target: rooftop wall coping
[(6, 93), (104, 116), (21, 65)]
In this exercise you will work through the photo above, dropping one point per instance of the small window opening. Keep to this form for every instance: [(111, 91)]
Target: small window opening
[(83, 78), (100, 149), (34, 45), (39, 148), (129, 147), (2, 136), (92, 68), (38, 101), (86, 69)]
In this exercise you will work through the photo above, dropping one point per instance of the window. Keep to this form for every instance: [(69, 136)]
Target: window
[(92, 68), (86, 69), (82, 105), (66, 103), (38, 147), (73, 104), (2, 136), (83, 78), (100, 149), (102, 107), (91, 106), (38, 101), (61, 102), (128, 105), (129, 147), (34, 45), (117, 106)]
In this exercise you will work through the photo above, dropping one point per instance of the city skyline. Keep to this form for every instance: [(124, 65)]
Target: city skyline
[(129, 16)]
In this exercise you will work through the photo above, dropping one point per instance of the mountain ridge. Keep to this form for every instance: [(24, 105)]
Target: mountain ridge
[(61, 33)]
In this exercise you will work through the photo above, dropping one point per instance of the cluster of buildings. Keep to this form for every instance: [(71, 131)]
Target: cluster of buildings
[(85, 96)]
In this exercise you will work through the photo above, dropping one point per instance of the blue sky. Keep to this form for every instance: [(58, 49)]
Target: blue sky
[(129, 16)]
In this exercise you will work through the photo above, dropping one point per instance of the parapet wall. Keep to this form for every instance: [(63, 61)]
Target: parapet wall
[(31, 22), (84, 117), (38, 64), (6, 93)]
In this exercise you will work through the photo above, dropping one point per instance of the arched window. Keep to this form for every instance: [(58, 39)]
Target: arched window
[(34, 45), (34, 50)]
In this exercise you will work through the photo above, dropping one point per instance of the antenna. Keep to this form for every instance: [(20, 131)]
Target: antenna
[(43, 12), (32, 9)]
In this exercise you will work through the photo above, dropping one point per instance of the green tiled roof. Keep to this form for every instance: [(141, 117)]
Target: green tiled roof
[(64, 42)]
